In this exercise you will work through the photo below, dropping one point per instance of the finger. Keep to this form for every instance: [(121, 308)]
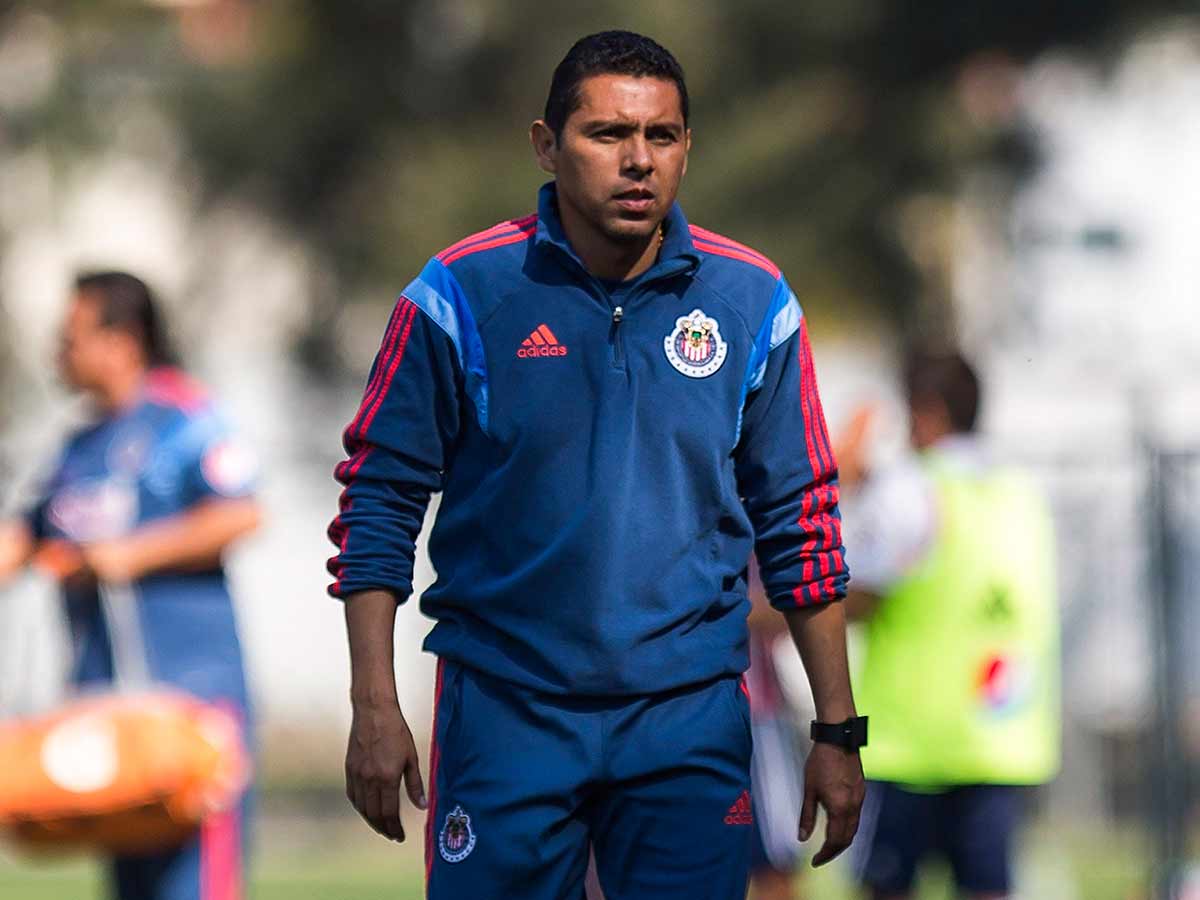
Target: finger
[(372, 806), (829, 849), (838, 834), (808, 813), (852, 830), (416, 787), (389, 811), (824, 855), (354, 792)]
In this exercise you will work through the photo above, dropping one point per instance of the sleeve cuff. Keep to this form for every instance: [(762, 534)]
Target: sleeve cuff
[(811, 594)]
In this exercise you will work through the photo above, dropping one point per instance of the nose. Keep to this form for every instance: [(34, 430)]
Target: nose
[(637, 158)]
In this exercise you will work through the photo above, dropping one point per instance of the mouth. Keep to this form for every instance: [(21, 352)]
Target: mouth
[(635, 200)]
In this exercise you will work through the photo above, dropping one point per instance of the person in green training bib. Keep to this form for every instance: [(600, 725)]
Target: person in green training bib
[(955, 581)]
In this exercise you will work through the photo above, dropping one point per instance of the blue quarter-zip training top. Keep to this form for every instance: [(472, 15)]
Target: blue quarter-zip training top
[(608, 456)]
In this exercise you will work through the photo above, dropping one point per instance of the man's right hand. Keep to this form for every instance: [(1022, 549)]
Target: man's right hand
[(381, 754), (16, 546)]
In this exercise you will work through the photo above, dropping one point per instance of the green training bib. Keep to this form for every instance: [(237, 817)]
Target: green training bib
[(961, 676)]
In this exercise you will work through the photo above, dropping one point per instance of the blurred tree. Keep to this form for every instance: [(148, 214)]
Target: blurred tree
[(830, 133)]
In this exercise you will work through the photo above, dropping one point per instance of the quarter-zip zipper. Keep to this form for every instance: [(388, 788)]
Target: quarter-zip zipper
[(596, 289), (619, 312), (614, 337)]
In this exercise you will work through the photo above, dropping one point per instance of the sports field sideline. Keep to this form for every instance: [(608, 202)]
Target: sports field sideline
[(349, 865)]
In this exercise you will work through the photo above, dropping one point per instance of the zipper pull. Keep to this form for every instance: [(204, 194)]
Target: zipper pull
[(618, 315)]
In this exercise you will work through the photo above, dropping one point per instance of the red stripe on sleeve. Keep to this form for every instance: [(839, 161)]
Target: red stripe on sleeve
[(507, 227), (806, 408), (357, 431), (385, 351), (820, 430), (335, 566), (748, 254), (360, 458), (499, 241), (386, 385), (735, 253)]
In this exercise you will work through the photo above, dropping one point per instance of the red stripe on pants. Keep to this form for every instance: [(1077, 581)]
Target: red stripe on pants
[(221, 856), (433, 767)]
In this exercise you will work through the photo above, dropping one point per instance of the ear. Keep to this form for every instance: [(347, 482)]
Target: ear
[(545, 145), (687, 149), (130, 348)]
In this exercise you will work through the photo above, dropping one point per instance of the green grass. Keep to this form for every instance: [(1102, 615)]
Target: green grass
[(338, 859), (320, 879), (329, 855), (59, 883), (80, 883)]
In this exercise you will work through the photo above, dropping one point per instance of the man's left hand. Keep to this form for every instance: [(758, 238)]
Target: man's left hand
[(833, 778), (60, 559)]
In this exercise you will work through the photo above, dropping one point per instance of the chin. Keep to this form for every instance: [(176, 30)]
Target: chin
[(630, 230)]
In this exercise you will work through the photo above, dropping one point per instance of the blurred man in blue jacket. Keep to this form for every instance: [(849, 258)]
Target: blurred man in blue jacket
[(148, 495)]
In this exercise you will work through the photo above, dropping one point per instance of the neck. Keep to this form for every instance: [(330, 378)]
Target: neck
[(119, 390), (601, 255)]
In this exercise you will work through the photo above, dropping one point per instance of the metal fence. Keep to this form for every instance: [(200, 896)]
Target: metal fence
[(1175, 739), (1128, 532)]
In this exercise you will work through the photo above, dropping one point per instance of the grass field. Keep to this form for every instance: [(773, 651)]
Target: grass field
[(335, 859), (373, 872)]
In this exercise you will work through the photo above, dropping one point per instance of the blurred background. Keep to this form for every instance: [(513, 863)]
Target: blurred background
[(1021, 178)]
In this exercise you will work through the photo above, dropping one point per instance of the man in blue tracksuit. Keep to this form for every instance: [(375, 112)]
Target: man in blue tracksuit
[(617, 407)]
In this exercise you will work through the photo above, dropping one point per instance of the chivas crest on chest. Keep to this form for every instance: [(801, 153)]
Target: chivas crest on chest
[(695, 347)]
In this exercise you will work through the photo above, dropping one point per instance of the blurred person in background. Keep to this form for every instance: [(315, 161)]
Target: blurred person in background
[(779, 749), (594, 389), (147, 495), (955, 580)]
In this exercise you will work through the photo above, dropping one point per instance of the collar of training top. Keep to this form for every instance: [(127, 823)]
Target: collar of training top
[(678, 253)]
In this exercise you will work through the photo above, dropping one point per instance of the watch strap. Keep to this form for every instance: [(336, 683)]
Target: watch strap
[(851, 734)]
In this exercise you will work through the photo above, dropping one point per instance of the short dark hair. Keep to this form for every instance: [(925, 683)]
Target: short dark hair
[(945, 376), (127, 304), (609, 53)]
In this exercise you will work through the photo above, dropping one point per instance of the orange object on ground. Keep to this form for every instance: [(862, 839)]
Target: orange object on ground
[(122, 773)]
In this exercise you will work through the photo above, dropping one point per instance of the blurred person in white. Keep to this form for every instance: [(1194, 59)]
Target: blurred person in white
[(955, 579), (148, 494), (778, 756)]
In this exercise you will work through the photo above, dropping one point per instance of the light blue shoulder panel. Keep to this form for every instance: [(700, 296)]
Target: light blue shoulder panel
[(439, 295)]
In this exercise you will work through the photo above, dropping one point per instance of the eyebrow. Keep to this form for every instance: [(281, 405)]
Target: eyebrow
[(628, 124)]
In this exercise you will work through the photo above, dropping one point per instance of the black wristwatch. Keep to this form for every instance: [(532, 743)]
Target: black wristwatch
[(849, 735)]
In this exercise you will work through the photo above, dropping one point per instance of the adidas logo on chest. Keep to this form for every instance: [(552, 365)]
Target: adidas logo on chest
[(541, 342)]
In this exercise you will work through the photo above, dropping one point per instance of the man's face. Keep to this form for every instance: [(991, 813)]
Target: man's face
[(87, 350), (622, 154)]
